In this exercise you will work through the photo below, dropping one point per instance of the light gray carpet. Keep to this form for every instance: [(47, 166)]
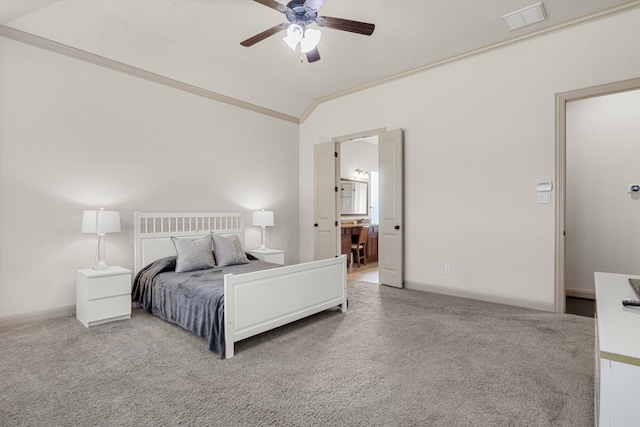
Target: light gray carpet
[(397, 358)]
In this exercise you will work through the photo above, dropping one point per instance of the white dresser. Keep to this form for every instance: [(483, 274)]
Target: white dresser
[(103, 295), (617, 353)]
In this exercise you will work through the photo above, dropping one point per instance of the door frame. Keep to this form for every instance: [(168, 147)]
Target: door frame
[(337, 140), (561, 171), (358, 135)]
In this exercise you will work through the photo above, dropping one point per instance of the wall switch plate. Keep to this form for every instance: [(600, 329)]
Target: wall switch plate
[(447, 269), (544, 186), (544, 197)]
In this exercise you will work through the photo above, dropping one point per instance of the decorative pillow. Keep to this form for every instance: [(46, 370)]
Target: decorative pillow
[(228, 250), (194, 254)]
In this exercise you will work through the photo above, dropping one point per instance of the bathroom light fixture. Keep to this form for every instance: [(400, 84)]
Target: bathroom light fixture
[(100, 222), (361, 174), (263, 219)]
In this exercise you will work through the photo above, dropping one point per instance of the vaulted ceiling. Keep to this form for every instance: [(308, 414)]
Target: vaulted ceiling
[(197, 42)]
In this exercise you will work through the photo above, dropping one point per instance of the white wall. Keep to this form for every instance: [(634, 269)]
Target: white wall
[(602, 219), (75, 136), (359, 154), (479, 134)]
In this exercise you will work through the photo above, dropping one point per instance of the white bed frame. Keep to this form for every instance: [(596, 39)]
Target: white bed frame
[(253, 302)]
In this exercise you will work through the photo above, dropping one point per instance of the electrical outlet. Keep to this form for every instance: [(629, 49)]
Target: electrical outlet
[(447, 269)]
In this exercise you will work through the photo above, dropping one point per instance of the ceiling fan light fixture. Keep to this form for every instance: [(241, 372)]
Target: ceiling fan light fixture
[(294, 36), (301, 14), (311, 39)]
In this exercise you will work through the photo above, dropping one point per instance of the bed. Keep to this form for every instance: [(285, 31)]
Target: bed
[(229, 303)]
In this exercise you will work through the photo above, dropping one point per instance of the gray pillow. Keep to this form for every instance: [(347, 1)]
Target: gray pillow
[(228, 250), (194, 254)]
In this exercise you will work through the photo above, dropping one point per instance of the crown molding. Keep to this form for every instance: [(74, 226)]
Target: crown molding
[(605, 13), (72, 52), (41, 42)]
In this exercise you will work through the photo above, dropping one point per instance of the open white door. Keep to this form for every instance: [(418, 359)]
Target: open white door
[(391, 227), (325, 235)]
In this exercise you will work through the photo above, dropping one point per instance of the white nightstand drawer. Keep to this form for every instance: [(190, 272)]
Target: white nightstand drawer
[(103, 295), (106, 308), (106, 286)]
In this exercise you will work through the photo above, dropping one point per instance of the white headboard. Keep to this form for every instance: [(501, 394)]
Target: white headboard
[(153, 231)]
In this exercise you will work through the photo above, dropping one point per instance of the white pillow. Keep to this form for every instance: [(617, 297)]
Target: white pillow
[(228, 250), (194, 254)]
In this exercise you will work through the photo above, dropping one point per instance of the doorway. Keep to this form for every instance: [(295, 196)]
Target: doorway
[(572, 277), (359, 165), (328, 227)]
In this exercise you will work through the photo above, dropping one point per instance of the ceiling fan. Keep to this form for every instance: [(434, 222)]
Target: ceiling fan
[(301, 13)]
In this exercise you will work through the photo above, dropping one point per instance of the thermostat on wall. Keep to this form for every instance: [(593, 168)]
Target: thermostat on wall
[(544, 186)]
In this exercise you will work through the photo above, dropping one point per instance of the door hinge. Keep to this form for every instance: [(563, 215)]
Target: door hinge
[(336, 223), (336, 153), (336, 189)]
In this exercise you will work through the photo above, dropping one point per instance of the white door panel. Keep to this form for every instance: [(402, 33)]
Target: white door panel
[(389, 259), (325, 207), (391, 226)]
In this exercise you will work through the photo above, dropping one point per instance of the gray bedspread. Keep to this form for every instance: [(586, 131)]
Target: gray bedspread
[(193, 300)]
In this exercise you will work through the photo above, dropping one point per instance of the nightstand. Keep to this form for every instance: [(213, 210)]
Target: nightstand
[(275, 256), (103, 295)]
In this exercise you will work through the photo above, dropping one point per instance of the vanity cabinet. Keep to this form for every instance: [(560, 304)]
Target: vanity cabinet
[(349, 234), (345, 242), (372, 245)]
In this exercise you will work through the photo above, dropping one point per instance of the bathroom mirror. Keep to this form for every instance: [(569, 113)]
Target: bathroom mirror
[(354, 197)]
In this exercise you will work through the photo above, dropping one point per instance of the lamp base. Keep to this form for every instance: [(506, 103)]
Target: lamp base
[(100, 262), (263, 240), (101, 265)]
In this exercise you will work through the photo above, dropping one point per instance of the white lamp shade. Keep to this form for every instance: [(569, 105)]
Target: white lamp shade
[(100, 221), (310, 41), (263, 218), (294, 35)]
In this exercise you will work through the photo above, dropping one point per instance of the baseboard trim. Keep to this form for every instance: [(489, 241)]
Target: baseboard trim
[(23, 319), (483, 296), (580, 293)]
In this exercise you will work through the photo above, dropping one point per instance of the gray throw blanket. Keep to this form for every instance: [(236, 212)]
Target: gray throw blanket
[(193, 300)]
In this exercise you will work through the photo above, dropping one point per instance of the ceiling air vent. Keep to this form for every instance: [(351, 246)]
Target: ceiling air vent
[(523, 17)]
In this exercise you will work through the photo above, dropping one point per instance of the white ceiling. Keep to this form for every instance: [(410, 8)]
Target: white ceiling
[(198, 41)]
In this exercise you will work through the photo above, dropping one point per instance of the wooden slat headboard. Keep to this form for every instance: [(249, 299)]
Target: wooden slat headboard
[(153, 231)]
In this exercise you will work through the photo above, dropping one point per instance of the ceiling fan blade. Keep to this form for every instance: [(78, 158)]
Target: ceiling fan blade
[(263, 35), (314, 4), (313, 55), (346, 25), (273, 5)]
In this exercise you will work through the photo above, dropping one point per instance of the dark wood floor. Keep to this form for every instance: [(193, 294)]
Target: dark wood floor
[(581, 306)]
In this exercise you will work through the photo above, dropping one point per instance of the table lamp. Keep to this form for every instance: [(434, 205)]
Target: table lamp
[(100, 222), (263, 219)]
